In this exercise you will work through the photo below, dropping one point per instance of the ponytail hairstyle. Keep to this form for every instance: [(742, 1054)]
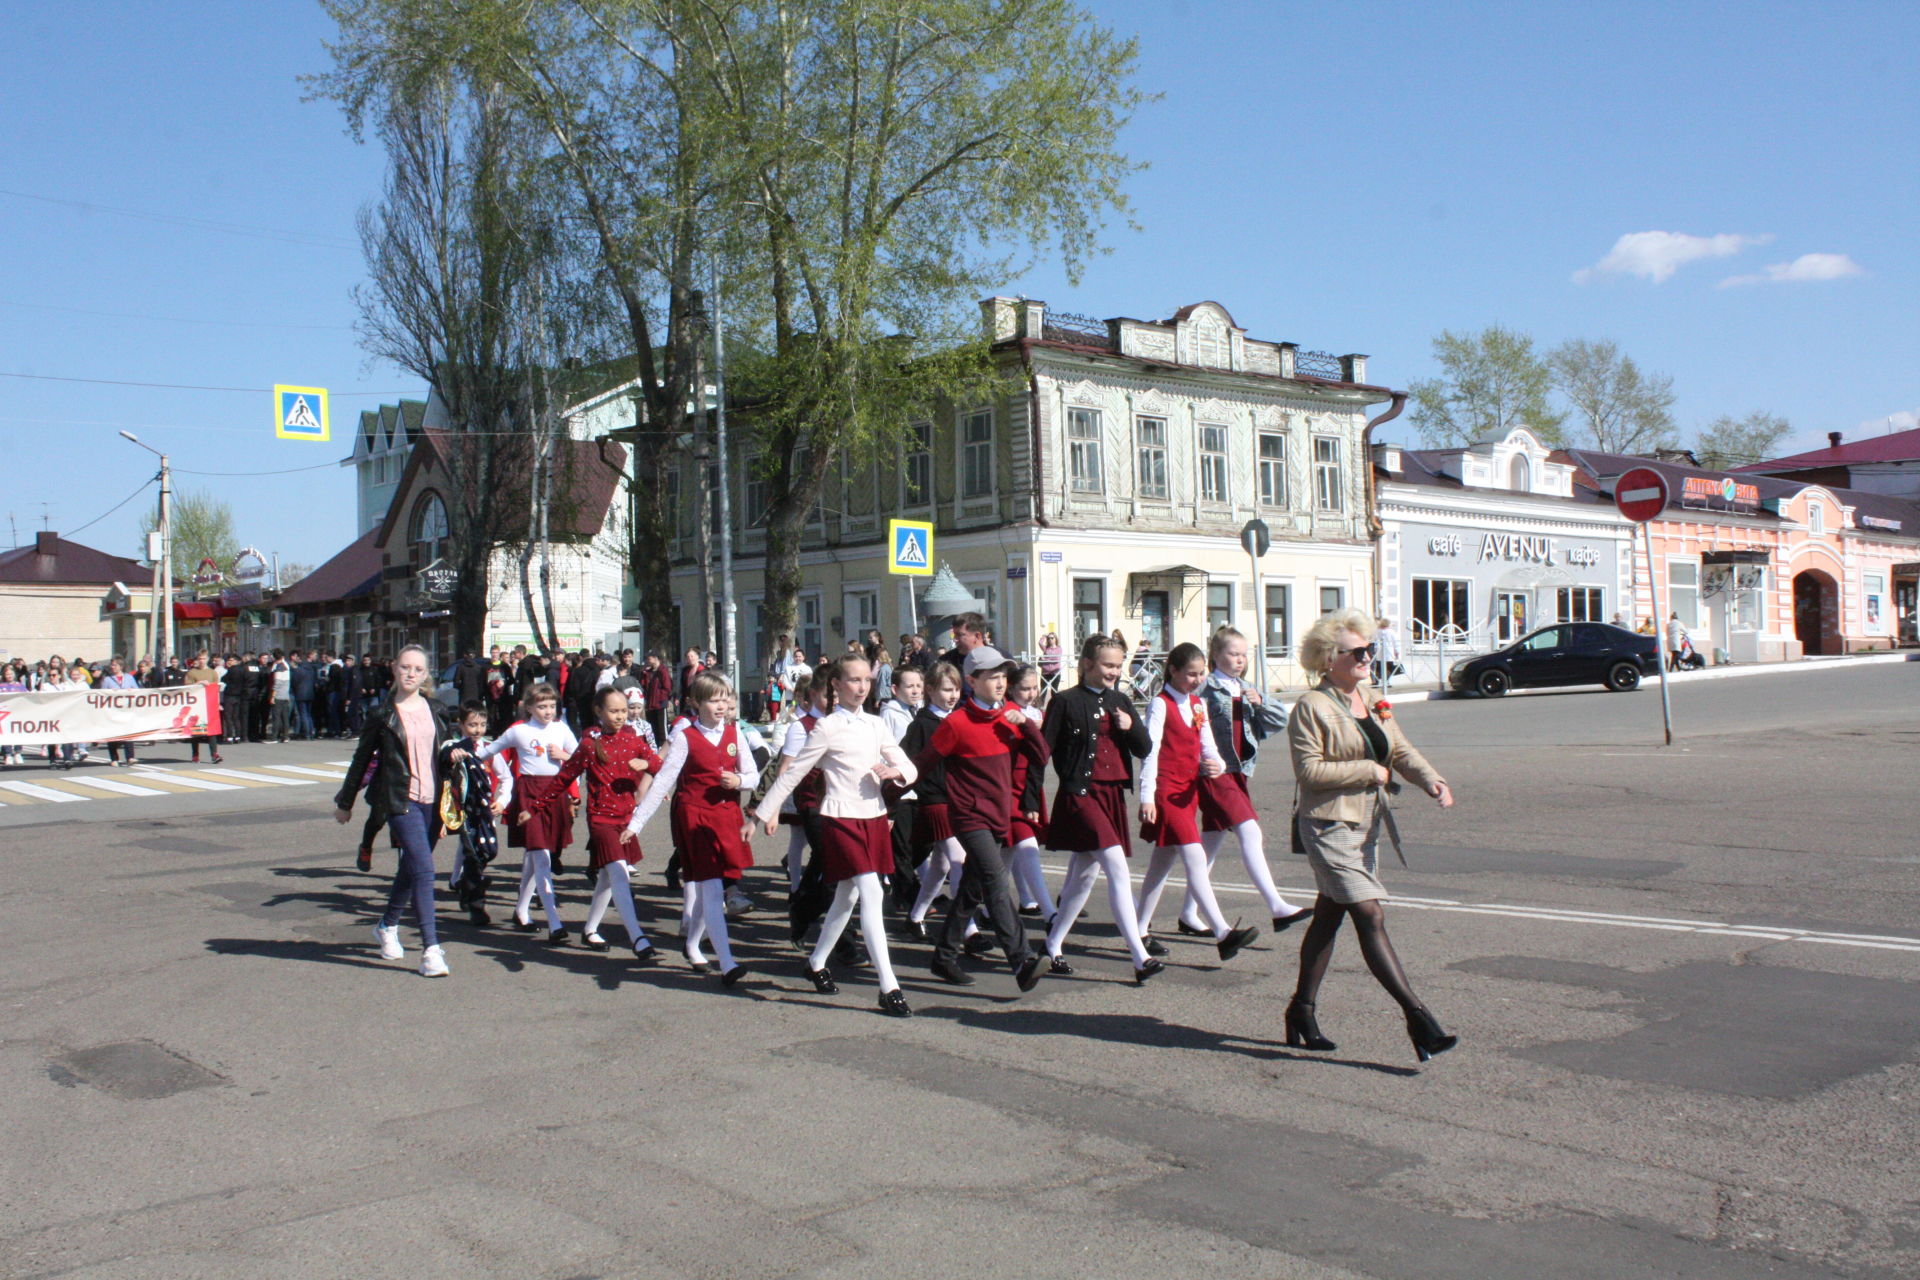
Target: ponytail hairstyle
[(1217, 643), (822, 679), (837, 669), (600, 695), (1094, 644), (1184, 656)]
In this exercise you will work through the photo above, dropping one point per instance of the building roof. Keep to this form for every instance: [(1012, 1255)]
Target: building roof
[(1427, 467), (1895, 514), (1898, 446), (52, 560), (592, 468), (353, 571)]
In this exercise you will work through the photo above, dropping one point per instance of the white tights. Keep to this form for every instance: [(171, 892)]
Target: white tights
[(796, 856), (1194, 859), (703, 914), (536, 876), (865, 888), (1082, 870), (1028, 878), (615, 886), (1254, 854), (942, 865)]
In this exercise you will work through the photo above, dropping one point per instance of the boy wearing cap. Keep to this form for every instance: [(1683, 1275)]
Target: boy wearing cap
[(976, 742)]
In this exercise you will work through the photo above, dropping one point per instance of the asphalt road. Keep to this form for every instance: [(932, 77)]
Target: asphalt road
[(1684, 980)]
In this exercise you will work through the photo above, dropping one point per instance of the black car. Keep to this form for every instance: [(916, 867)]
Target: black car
[(1569, 653)]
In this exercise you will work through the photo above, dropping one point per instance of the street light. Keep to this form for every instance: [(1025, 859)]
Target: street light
[(160, 623)]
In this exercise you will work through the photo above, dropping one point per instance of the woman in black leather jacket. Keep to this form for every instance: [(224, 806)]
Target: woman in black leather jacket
[(407, 729)]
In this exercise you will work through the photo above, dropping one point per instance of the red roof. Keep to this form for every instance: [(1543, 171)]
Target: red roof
[(52, 560), (354, 571), (1898, 446)]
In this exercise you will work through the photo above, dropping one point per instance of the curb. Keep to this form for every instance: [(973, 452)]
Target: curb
[(1730, 672)]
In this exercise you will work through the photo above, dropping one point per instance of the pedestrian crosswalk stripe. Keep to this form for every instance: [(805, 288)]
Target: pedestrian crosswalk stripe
[(39, 792), (192, 780), (302, 768), (266, 778), (111, 785)]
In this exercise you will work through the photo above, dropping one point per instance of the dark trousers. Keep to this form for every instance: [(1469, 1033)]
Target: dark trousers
[(413, 878), (657, 720), (905, 886), (984, 881), (233, 724), (303, 717)]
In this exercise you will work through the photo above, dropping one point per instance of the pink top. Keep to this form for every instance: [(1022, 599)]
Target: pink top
[(416, 720)]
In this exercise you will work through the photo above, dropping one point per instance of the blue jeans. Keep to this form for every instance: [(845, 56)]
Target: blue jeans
[(413, 877), (303, 717)]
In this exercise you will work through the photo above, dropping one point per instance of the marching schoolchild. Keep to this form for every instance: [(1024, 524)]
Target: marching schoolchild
[(618, 765), (1181, 754), (1095, 737), (407, 731), (855, 754), (527, 759), (1028, 824), (809, 895), (935, 852), (708, 768), (1239, 718), (976, 743), (897, 712), (471, 783)]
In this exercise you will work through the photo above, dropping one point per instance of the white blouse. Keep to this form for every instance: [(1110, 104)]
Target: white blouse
[(1156, 729), (845, 747)]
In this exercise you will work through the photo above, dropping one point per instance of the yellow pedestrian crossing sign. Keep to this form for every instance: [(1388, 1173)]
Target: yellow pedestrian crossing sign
[(912, 543), (300, 413)]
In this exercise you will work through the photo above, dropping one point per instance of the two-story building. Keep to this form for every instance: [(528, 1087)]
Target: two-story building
[(1105, 488)]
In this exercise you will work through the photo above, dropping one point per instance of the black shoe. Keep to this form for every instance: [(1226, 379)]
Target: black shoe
[(699, 966), (849, 953), (823, 982), (1146, 971), (1154, 946), (1281, 923), (646, 954), (477, 915), (1428, 1039), (1192, 932), (894, 1004), (364, 858), (559, 868), (1230, 945), (524, 926), (558, 936), (917, 930), (1303, 1030), (980, 944), (594, 942), (1058, 967), (947, 971), (1028, 974), (1032, 911), (733, 975)]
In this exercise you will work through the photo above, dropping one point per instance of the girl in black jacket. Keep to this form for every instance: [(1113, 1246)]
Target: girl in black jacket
[(408, 730)]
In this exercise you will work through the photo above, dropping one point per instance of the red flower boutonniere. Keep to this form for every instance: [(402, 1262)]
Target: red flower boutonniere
[(1383, 709)]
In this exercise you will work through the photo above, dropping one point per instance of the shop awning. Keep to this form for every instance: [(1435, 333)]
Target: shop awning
[(1735, 557), (202, 611), (1168, 573)]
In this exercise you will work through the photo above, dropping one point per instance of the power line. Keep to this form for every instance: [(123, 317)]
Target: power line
[(134, 315), (115, 507), (306, 238), (181, 386), (318, 466)]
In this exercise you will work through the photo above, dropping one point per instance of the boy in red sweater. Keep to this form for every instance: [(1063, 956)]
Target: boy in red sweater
[(976, 743)]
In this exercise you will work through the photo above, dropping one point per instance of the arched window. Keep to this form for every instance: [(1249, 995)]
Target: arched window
[(1520, 474), (430, 527)]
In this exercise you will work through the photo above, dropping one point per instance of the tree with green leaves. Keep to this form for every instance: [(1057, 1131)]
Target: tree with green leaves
[(201, 528), (1619, 408), (1493, 381), (1730, 442)]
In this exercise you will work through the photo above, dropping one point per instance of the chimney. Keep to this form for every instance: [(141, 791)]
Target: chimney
[(46, 543), (1833, 439)]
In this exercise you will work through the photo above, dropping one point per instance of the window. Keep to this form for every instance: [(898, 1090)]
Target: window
[(758, 493), (1219, 606), (1548, 638), (1273, 469), (863, 614), (1581, 604), (1332, 600), (1683, 592), (1749, 594), (1150, 452), (1520, 474), (1089, 608), (812, 637), (1441, 609), (1156, 620), (1873, 590), (1213, 463), (1278, 636), (1816, 518), (976, 455), (1083, 450), (430, 527), (677, 521), (1327, 495), (916, 468)]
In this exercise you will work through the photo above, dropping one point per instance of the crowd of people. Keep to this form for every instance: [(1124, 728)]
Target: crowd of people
[(898, 793)]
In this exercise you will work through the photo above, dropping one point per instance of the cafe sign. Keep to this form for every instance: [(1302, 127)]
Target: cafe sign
[(1704, 491)]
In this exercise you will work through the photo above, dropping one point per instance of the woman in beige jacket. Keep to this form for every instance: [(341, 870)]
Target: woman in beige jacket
[(1346, 748)]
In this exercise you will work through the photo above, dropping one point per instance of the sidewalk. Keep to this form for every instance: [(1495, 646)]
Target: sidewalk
[(1429, 692)]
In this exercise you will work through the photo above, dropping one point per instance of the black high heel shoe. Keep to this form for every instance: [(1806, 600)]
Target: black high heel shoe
[(1303, 1029), (1428, 1039)]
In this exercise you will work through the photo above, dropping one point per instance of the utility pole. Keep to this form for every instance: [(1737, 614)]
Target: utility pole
[(161, 624), (703, 467), (729, 608)]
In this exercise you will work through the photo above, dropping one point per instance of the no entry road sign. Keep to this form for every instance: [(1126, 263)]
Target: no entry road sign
[(1641, 494)]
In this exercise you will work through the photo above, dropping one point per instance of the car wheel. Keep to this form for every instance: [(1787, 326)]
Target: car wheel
[(1493, 683), (1623, 677)]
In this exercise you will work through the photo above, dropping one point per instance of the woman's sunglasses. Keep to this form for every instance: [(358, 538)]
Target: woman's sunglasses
[(1359, 653)]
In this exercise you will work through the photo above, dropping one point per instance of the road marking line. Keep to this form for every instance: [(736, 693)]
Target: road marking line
[(268, 778), (39, 792), (193, 780), (111, 785), (301, 768)]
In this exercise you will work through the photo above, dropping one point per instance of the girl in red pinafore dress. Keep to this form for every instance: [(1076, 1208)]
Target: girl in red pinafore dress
[(1183, 751), (526, 759), (617, 763), (1028, 825), (706, 772)]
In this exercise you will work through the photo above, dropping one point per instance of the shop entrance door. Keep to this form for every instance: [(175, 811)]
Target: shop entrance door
[(1155, 620), (1511, 616), (1816, 622)]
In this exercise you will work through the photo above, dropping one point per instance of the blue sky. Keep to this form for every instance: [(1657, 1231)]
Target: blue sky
[(1349, 177)]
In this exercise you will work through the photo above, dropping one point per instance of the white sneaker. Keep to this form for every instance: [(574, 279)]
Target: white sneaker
[(433, 963), (738, 903), (388, 936)]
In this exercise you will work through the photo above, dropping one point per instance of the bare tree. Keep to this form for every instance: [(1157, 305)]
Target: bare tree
[(1620, 409)]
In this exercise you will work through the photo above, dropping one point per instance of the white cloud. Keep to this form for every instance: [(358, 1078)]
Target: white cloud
[(1656, 255), (1898, 420), (1806, 267)]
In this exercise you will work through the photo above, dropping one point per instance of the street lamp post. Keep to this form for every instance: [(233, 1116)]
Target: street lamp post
[(162, 626), (729, 608)]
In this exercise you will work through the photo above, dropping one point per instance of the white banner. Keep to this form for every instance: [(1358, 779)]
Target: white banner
[(109, 715)]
